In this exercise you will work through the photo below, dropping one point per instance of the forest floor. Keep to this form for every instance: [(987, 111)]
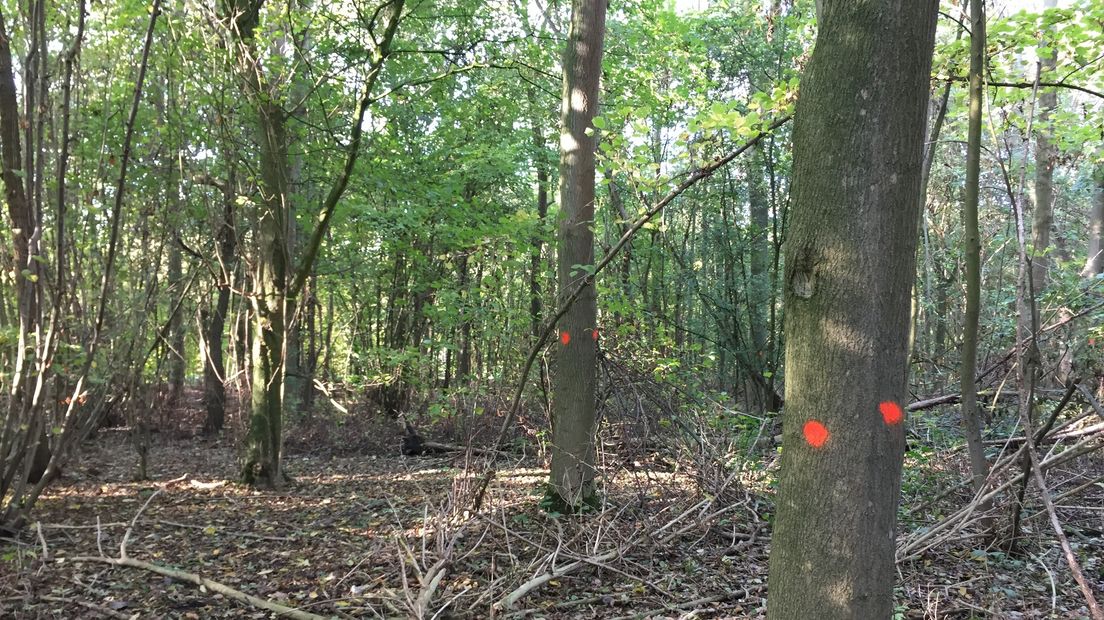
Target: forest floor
[(362, 532)]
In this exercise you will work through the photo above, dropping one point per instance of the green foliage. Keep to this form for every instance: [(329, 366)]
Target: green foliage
[(557, 506)]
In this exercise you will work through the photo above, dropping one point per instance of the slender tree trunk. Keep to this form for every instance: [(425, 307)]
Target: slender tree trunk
[(759, 289), (1094, 263), (1044, 172), (464, 363), (575, 381), (214, 366), (850, 265), (535, 269), (971, 417), (176, 321), (918, 315)]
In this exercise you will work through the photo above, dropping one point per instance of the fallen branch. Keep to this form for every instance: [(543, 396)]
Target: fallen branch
[(697, 603), (916, 546), (214, 586), (951, 399), (511, 599)]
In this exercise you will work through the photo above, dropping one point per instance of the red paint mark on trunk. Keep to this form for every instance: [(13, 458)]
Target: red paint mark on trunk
[(891, 412), (565, 338), (815, 433)]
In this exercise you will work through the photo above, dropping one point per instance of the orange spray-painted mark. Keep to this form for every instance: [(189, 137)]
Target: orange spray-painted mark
[(565, 338), (594, 334), (815, 433), (891, 412)]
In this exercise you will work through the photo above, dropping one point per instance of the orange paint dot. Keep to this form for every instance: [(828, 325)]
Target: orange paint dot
[(594, 334), (565, 338), (815, 433), (891, 412)]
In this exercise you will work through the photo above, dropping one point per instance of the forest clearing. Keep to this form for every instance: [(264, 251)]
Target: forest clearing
[(781, 309)]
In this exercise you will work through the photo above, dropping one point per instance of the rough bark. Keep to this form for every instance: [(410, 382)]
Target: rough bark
[(850, 264), (575, 381), (971, 417), (759, 289), (262, 462)]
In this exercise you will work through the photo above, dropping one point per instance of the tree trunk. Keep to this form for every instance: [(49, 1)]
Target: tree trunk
[(176, 321), (971, 418), (1044, 172), (575, 382), (759, 289), (262, 463), (214, 366), (264, 441), (1094, 263), (850, 264), (535, 269), (31, 439)]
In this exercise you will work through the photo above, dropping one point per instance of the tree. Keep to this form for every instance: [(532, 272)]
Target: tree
[(1094, 262), (971, 418), (850, 262), (277, 280), (1045, 155), (575, 382)]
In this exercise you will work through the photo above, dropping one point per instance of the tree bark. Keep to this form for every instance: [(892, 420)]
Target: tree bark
[(575, 381), (971, 418), (850, 264), (1094, 263), (759, 290), (214, 365), (1044, 172)]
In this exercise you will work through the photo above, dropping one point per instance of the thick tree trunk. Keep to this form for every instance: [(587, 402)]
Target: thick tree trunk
[(268, 353), (850, 265), (575, 381), (971, 417), (264, 441)]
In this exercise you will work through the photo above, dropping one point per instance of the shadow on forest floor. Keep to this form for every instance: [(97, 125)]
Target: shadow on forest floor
[(365, 535)]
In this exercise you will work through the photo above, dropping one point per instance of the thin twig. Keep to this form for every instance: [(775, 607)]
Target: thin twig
[(130, 529)]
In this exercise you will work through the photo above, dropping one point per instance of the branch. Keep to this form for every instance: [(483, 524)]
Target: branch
[(352, 153), (1044, 493), (214, 586), (1031, 85)]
